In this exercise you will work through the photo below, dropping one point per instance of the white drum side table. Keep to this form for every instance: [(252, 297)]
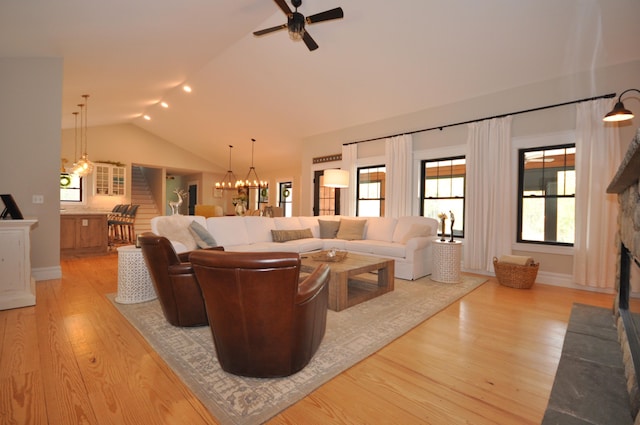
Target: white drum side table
[(134, 282), (446, 258)]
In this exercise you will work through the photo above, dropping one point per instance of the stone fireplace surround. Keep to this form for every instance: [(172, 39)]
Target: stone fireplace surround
[(626, 185)]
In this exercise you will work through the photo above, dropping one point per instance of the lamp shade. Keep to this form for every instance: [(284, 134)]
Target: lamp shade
[(619, 112), (336, 178)]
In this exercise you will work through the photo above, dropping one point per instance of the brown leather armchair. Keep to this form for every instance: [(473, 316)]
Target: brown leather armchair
[(264, 322), (174, 282)]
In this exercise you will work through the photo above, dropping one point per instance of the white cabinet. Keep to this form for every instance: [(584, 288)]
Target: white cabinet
[(17, 287), (109, 180)]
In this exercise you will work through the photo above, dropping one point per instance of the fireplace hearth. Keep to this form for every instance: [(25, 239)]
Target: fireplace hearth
[(626, 184)]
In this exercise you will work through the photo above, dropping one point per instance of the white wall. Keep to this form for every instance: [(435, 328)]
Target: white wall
[(598, 82), (30, 110)]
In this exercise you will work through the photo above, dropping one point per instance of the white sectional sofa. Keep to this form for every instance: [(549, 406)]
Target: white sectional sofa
[(407, 240)]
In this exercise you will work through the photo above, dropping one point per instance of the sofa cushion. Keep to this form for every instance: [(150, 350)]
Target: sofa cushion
[(290, 235), (287, 223), (380, 248), (404, 225), (328, 228), (201, 235), (259, 228), (228, 231), (298, 246), (351, 230), (311, 223), (380, 228), (416, 230), (337, 244), (176, 228)]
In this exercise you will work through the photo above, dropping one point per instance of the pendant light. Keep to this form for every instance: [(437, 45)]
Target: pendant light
[(84, 166), (252, 181), (72, 169), (229, 181)]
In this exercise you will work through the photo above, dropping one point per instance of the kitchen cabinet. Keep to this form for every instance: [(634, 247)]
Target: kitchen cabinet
[(83, 234), (110, 180)]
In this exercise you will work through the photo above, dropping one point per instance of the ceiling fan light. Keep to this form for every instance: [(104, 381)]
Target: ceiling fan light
[(295, 26)]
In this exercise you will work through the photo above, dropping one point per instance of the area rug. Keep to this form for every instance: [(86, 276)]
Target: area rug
[(352, 335)]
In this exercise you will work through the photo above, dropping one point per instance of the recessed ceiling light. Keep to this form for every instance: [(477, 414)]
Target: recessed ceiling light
[(164, 104), (186, 88), (146, 117)]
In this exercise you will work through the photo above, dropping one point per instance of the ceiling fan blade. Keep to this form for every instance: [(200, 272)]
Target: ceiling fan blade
[(268, 30), (284, 6), (311, 44), (327, 15)]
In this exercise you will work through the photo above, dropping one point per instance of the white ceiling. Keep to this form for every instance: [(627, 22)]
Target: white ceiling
[(383, 59)]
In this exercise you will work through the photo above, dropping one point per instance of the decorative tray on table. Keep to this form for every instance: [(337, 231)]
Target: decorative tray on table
[(330, 256)]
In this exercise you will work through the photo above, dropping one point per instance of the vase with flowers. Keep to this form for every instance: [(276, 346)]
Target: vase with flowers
[(443, 218)]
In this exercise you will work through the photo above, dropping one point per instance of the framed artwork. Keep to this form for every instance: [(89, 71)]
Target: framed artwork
[(217, 192)]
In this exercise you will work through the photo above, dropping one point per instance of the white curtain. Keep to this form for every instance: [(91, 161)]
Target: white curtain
[(348, 195), (598, 156), (398, 190), (489, 219)]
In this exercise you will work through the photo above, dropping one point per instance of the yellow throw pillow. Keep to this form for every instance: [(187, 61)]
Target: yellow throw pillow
[(351, 230)]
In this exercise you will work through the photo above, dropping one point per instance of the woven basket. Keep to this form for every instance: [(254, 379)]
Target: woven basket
[(514, 275)]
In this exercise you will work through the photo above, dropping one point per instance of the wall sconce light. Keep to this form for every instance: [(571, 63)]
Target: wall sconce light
[(619, 112), (336, 178)]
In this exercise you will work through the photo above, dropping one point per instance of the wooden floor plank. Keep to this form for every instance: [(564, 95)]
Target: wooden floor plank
[(487, 359)]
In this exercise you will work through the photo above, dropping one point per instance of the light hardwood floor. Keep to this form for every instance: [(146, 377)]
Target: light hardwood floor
[(488, 359)]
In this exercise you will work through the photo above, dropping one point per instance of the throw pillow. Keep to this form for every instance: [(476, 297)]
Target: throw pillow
[(290, 235), (175, 228), (415, 231), (328, 228), (351, 230), (201, 235)]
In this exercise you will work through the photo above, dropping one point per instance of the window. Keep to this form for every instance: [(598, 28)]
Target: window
[(371, 186), (443, 185), (70, 188), (546, 195), (285, 196), (326, 200)]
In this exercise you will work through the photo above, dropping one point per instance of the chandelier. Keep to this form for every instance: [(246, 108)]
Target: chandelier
[(229, 181), (84, 166), (252, 180)]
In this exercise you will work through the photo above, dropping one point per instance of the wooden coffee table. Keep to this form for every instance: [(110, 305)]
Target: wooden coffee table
[(350, 280)]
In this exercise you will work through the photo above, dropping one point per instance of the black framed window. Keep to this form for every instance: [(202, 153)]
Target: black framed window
[(285, 196), (371, 190), (546, 195), (326, 200), (443, 183), (70, 188)]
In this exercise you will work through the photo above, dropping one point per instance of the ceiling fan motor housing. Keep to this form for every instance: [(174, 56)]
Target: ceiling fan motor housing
[(295, 25)]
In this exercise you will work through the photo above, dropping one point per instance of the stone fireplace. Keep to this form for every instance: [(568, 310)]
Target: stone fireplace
[(626, 184)]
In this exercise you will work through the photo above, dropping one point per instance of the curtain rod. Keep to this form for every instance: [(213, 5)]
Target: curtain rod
[(440, 127)]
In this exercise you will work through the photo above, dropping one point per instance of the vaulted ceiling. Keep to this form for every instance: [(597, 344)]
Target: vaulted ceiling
[(383, 59)]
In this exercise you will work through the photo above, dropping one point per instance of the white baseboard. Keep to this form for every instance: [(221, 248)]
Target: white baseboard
[(556, 279), (46, 273)]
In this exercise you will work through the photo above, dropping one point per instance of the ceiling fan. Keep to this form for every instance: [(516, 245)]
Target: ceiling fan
[(296, 21)]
